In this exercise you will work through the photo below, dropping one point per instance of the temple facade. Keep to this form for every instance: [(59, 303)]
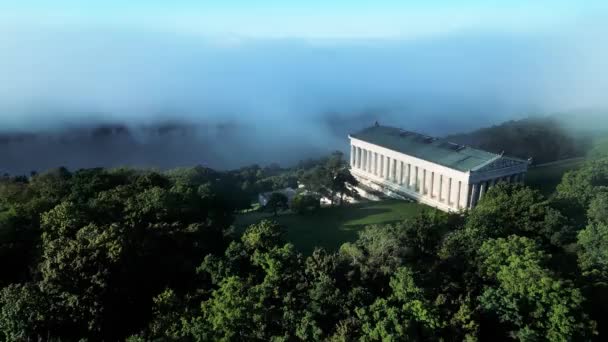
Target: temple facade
[(433, 171)]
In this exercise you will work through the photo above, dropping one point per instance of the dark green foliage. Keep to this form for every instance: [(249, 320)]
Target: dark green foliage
[(593, 252), (405, 314), (527, 297), (581, 186), (256, 284), (598, 209), (332, 179), (22, 312), (125, 254), (104, 243), (543, 139), (304, 203), (508, 209), (253, 180), (276, 202)]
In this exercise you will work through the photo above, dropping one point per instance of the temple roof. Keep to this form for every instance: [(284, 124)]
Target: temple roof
[(436, 150)]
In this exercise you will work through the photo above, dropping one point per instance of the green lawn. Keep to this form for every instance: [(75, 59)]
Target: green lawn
[(331, 227)]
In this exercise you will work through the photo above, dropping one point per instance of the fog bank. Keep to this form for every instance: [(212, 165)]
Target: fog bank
[(251, 100)]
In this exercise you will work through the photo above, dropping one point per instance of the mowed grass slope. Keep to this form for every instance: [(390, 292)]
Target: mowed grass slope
[(331, 227)]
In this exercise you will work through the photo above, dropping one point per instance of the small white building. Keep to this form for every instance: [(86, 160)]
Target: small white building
[(433, 171)]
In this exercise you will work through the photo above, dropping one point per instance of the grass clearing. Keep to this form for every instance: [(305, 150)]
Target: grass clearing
[(331, 227)]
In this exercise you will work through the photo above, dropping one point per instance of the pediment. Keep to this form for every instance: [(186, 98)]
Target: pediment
[(500, 163)]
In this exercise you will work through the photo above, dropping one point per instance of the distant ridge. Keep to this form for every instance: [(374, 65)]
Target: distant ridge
[(544, 139)]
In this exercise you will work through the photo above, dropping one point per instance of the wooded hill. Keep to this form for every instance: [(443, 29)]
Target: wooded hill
[(146, 256), (544, 139)]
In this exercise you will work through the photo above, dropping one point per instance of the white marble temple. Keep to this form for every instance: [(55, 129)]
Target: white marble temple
[(446, 187)]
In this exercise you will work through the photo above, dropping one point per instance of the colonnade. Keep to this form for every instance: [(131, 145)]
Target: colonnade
[(478, 189), (425, 182), (411, 176)]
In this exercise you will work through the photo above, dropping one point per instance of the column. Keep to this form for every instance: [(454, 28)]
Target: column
[(448, 199), (387, 168), (458, 194), (395, 170), (474, 195), (408, 177), (361, 151), (400, 175), (441, 193), (419, 178), (423, 190), (439, 185), (363, 159), (432, 189), (416, 182), (470, 196), (398, 172), (482, 189), (375, 163), (372, 166), (352, 155)]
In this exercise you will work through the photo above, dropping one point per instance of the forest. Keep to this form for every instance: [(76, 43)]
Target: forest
[(142, 255), (138, 255), (544, 139)]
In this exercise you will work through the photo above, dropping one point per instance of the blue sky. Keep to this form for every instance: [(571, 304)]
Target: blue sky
[(456, 62), (311, 19)]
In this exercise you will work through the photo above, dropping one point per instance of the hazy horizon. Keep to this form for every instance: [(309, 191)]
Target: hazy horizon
[(284, 76)]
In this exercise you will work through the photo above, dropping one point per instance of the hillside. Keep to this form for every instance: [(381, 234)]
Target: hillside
[(544, 139)]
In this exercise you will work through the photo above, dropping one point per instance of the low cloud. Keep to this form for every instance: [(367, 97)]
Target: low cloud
[(278, 100)]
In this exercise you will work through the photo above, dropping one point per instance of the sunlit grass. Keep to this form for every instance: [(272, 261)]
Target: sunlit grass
[(331, 227)]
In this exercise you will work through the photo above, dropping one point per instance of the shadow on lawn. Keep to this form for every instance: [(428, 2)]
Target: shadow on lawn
[(330, 227), (359, 227)]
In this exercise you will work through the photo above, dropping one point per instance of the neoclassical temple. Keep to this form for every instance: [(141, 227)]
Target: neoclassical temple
[(434, 171)]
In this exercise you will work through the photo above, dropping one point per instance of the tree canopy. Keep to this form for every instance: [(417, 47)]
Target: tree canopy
[(148, 256)]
